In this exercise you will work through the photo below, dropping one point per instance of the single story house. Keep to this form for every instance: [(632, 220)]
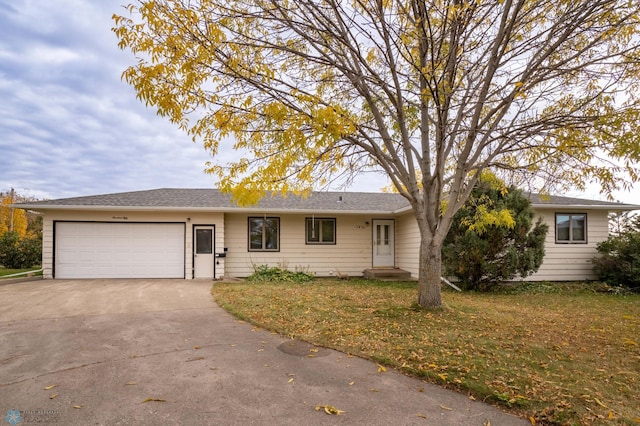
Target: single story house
[(200, 233)]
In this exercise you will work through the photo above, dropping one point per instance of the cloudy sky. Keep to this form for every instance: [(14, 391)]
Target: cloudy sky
[(69, 126)]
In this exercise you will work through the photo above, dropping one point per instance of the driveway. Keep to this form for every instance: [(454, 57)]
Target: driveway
[(80, 352)]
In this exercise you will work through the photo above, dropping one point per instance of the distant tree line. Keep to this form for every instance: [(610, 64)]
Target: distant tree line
[(20, 233)]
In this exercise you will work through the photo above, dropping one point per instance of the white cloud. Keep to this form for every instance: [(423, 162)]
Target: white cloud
[(69, 125)]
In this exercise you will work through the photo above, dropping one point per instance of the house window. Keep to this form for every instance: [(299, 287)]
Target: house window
[(571, 228), (321, 231), (264, 234)]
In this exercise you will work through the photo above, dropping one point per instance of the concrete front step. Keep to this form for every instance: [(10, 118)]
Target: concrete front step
[(387, 274)]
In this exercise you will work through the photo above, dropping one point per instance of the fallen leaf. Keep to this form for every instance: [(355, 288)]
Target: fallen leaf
[(381, 369), (290, 380), (329, 409), (55, 395), (421, 415), (488, 423), (599, 403), (50, 387), (198, 358), (374, 390), (532, 420), (131, 383), (196, 347), (351, 383), (314, 350), (154, 400), (77, 407), (471, 397), (446, 408), (610, 415)]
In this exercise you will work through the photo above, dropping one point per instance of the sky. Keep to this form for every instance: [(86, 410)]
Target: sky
[(69, 126)]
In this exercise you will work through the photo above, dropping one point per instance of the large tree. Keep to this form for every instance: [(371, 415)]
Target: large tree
[(430, 92)]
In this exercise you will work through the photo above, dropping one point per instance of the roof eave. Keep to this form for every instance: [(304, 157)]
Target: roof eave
[(608, 207), (402, 210), (201, 209)]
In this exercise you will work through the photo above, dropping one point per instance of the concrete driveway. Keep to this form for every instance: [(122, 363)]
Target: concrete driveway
[(80, 352)]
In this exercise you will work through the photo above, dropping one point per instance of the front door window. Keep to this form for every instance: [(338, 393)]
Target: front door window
[(204, 241)]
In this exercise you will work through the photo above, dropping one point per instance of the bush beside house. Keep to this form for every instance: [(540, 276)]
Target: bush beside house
[(492, 239), (20, 253), (618, 263)]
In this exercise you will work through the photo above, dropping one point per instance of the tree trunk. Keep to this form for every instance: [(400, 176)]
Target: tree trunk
[(429, 273)]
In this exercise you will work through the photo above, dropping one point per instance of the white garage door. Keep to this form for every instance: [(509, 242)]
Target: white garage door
[(119, 250)]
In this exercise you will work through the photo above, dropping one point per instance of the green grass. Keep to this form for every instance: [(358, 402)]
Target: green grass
[(558, 356), (5, 271)]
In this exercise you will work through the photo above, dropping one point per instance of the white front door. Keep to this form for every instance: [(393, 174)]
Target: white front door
[(383, 244), (203, 251)]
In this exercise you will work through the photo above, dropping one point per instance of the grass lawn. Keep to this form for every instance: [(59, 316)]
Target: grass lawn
[(554, 353), (5, 271)]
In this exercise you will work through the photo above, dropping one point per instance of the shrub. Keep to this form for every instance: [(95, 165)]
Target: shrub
[(265, 273), (19, 253), (492, 239), (618, 262)]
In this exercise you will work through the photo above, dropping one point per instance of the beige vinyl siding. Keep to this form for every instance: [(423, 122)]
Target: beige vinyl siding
[(407, 243), (562, 262), (190, 219), (571, 262), (350, 255)]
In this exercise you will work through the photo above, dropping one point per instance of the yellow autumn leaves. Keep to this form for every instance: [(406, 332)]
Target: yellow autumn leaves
[(9, 217)]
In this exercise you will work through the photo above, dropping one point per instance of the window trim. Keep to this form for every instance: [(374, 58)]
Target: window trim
[(263, 249), (571, 240), (308, 220)]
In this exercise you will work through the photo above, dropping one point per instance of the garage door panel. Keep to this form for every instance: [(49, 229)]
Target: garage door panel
[(119, 250)]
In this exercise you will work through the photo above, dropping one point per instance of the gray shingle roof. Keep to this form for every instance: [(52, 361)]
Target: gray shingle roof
[(213, 199), (541, 200)]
